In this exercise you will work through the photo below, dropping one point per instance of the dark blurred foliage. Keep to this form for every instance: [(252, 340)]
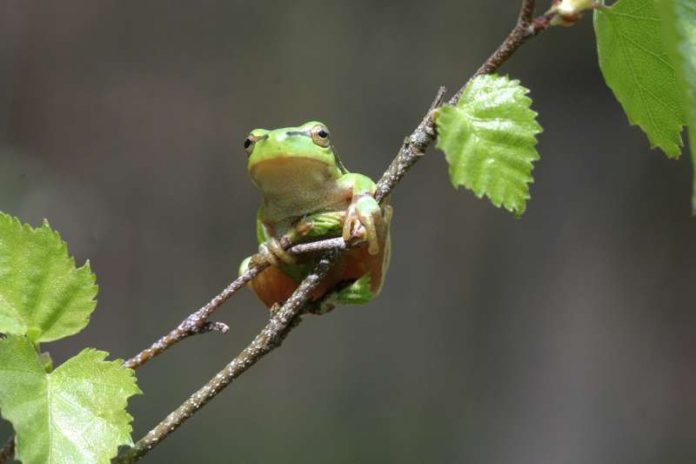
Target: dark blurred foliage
[(566, 336)]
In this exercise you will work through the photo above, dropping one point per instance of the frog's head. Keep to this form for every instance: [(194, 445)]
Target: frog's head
[(285, 156)]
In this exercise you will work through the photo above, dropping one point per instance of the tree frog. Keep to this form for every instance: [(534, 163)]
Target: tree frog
[(308, 194)]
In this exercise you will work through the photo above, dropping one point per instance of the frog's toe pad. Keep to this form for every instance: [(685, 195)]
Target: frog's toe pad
[(273, 253), (362, 218)]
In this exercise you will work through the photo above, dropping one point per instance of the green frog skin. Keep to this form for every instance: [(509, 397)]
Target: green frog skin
[(307, 195)]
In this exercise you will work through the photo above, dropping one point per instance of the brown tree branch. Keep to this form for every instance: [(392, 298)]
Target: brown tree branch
[(288, 316), (527, 27), (526, 12), (197, 323), (268, 339), (412, 149)]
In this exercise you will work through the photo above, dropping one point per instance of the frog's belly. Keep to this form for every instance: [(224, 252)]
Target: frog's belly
[(273, 285)]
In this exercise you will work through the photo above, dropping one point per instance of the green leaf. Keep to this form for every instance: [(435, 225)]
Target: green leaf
[(75, 414), (42, 294), (639, 71), (489, 140), (679, 21)]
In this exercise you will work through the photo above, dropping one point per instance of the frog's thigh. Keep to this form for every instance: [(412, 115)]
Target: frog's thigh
[(356, 293), (321, 224), (271, 285)]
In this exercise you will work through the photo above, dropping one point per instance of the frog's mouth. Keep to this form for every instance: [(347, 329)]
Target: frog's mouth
[(288, 174)]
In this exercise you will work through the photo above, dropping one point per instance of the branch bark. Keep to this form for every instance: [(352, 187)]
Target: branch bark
[(197, 323), (412, 149), (268, 339), (527, 27), (288, 316)]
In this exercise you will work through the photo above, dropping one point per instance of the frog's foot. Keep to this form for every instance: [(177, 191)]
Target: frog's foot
[(272, 252), (359, 292), (362, 218), (321, 307)]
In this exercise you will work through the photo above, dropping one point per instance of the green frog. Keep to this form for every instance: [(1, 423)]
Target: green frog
[(307, 195)]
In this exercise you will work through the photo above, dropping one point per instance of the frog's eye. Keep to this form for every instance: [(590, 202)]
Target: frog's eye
[(320, 135), (249, 144)]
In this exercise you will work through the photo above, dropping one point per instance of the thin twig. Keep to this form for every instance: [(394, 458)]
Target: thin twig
[(527, 27), (517, 37), (526, 12), (282, 321), (197, 323), (287, 317), (7, 451), (269, 338), (412, 149)]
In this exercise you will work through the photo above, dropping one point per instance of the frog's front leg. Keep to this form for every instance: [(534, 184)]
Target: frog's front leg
[(271, 250), (364, 216), (316, 226)]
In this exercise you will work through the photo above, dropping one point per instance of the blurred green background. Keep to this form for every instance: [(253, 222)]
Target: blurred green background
[(566, 336)]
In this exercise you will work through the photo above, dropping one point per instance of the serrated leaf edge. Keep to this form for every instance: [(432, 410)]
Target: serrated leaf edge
[(520, 94), (62, 247)]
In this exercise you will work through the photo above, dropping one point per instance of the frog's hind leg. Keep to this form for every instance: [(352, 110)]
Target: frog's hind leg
[(271, 285), (358, 292)]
